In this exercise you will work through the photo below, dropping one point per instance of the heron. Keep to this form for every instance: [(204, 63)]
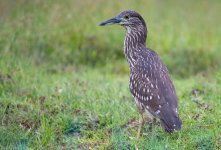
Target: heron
[(150, 83)]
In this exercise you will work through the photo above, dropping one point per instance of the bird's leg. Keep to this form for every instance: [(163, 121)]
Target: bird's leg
[(153, 122), (141, 123)]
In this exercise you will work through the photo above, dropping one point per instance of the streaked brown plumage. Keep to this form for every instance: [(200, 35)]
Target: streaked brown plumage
[(150, 83)]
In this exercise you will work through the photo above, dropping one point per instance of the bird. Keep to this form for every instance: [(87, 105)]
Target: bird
[(150, 83)]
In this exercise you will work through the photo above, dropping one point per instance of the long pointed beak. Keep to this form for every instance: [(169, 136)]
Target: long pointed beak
[(110, 21)]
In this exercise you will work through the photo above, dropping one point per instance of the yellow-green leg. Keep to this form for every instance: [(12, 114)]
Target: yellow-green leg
[(141, 123)]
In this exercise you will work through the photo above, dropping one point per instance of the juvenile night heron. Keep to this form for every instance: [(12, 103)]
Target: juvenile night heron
[(150, 83)]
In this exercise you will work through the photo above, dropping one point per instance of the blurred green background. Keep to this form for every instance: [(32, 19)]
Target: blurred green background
[(63, 78), (185, 34)]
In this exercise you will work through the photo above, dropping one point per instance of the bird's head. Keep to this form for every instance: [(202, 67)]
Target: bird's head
[(127, 19)]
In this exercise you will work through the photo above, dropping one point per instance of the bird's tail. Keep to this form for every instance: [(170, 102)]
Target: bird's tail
[(168, 127), (170, 121)]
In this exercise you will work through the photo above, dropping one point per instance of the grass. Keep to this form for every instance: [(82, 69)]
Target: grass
[(64, 80), (93, 107)]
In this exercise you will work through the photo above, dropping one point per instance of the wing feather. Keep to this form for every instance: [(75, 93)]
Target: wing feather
[(151, 85)]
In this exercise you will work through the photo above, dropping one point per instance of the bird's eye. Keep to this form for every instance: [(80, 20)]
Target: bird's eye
[(126, 17)]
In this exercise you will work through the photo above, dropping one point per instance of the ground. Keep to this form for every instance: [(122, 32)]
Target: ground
[(64, 82)]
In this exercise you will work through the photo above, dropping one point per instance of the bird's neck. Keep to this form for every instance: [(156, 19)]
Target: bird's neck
[(134, 42)]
